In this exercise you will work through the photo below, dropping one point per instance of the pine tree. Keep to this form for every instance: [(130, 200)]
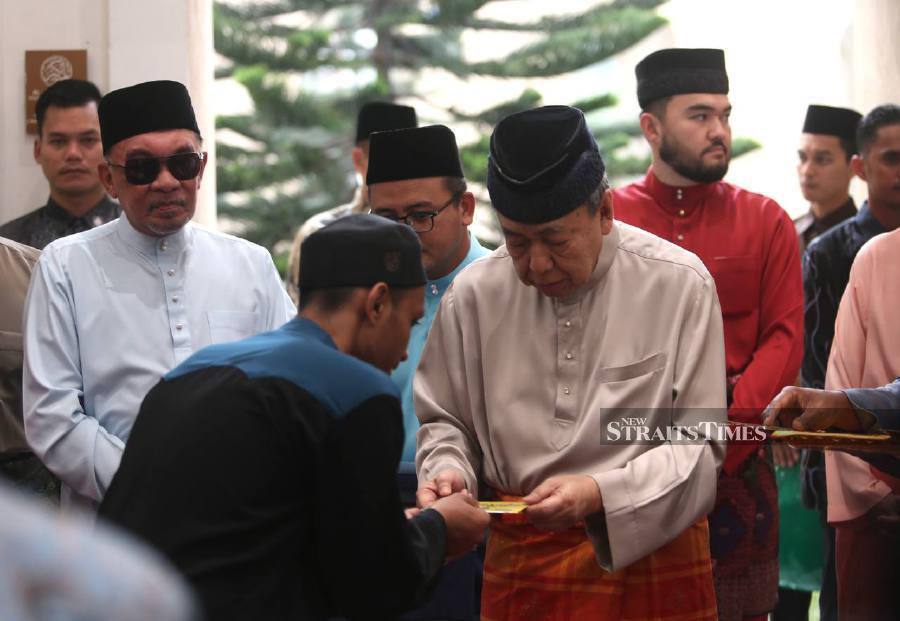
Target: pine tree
[(292, 161)]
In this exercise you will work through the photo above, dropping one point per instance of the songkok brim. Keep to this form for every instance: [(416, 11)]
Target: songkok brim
[(378, 116), (361, 250), (414, 153), (543, 164), (143, 108), (677, 71), (840, 122)]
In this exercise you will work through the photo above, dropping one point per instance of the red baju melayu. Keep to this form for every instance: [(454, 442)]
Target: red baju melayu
[(749, 245)]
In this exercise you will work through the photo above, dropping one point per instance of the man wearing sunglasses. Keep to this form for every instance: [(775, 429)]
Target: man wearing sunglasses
[(415, 177), (111, 310)]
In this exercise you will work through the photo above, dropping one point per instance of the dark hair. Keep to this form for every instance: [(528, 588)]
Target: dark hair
[(848, 145), (657, 107), (595, 200), (886, 114), (327, 300), (65, 94), (455, 185), (332, 299)]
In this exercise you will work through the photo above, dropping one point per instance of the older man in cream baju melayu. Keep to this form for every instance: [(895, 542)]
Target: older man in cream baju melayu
[(539, 354)]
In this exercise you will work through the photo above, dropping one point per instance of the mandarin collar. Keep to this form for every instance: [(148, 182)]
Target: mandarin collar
[(148, 245), (866, 221), (676, 199), (604, 262), (845, 211), (58, 212), (309, 328), (438, 286)]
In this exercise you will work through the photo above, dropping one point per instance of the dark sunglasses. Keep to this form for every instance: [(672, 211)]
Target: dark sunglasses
[(145, 170)]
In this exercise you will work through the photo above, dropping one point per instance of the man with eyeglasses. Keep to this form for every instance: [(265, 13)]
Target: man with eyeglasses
[(375, 116), (110, 310), (415, 177)]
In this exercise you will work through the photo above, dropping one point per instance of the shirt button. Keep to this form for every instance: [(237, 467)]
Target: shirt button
[(681, 212), (171, 272), (680, 237), (568, 323), (162, 245), (178, 326), (569, 355), (566, 390), (678, 193), (434, 290), (175, 299)]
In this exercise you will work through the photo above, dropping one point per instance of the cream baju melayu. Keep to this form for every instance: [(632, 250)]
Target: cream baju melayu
[(515, 387)]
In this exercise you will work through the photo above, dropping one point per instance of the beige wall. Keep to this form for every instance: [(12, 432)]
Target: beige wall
[(873, 55), (127, 42)]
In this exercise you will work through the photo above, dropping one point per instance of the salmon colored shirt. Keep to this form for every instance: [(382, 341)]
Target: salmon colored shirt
[(865, 353)]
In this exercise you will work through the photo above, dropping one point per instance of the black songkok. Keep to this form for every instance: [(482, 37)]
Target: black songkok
[(840, 122), (361, 250), (677, 71), (379, 116), (143, 108), (543, 164), (414, 153)]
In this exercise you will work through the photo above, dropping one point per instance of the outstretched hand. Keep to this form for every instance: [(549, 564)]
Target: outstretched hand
[(449, 481), (808, 409)]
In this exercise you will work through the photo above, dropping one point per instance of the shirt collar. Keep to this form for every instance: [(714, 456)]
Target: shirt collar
[(58, 212), (310, 329), (145, 244), (438, 286), (604, 262), (847, 210), (677, 199), (867, 222)]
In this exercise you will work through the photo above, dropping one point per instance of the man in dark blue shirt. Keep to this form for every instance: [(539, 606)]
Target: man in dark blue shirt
[(826, 264), (265, 468)]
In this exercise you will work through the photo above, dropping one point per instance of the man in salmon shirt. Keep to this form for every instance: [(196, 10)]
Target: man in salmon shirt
[(749, 245)]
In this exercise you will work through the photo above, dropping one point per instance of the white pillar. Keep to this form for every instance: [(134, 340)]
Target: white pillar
[(873, 57)]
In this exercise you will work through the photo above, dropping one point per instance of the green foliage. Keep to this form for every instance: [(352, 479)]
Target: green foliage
[(292, 158)]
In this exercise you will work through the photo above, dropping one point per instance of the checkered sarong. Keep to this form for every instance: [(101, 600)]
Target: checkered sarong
[(532, 575)]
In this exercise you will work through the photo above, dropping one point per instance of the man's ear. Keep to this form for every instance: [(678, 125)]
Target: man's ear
[(606, 212), (378, 303), (650, 127), (360, 161), (467, 202), (37, 150), (105, 174), (859, 167)]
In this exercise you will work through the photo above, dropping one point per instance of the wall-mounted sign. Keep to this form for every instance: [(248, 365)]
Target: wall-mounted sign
[(45, 67)]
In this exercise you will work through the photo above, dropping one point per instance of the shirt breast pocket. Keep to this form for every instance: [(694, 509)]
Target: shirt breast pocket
[(637, 385), (231, 325), (737, 284)]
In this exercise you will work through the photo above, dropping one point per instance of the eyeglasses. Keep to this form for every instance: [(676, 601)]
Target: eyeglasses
[(145, 170), (419, 221)]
